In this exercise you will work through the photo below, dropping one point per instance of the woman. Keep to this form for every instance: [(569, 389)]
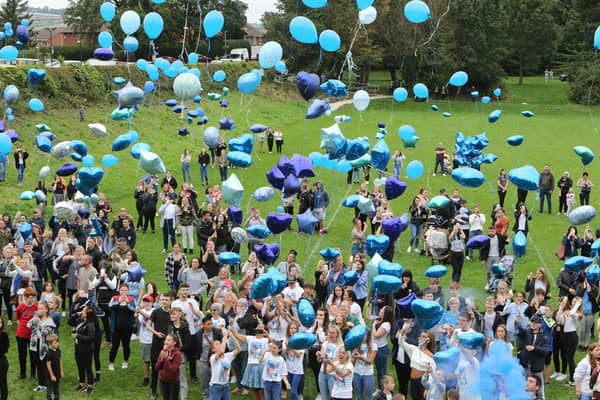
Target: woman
[(257, 345), (503, 296), (270, 139), (228, 311), (500, 341), (223, 164), (239, 363), (109, 242), (174, 262), (327, 353), (515, 316), (294, 363), (564, 184), (135, 286), (138, 193), (4, 345), (586, 374), (319, 329), (589, 308), (85, 336), (363, 359), (187, 223), (381, 332), (25, 312), (418, 215), (398, 162), (502, 184), (252, 265), (571, 242), (203, 160), (7, 273), (457, 251), (360, 288), (196, 278), (342, 369), (421, 359), (185, 160), (540, 281), (358, 237), (122, 322), (149, 199), (522, 218), (278, 137), (586, 243), (168, 367), (41, 326), (569, 314), (440, 150), (58, 188), (585, 187), (321, 281), (220, 285), (223, 233), (336, 297)]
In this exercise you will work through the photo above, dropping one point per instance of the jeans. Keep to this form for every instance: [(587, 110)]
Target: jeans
[(325, 385), (546, 194), (472, 234), (272, 390), (168, 232), (183, 382), (20, 172), (585, 329), (295, 381), (439, 163), (457, 259), (397, 170), (584, 198), (204, 174), (415, 234), (223, 173), (2, 170), (185, 169), (381, 363), (219, 392), (357, 248), (363, 386), (204, 378)]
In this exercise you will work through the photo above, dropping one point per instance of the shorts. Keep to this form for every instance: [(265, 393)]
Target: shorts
[(319, 213), (145, 350), (260, 138)]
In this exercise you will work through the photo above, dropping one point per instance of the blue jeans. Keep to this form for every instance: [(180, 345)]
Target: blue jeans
[(415, 234), (204, 174), (218, 392), (223, 172), (363, 386), (585, 397), (272, 390), (381, 363), (357, 248), (547, 195), (325, 386), (295, 381), (185, 169), (2, 170), (439, 163), (397, 170), (472, 234), (20, 172)]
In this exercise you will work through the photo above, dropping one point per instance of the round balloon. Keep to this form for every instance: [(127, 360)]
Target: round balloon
[(130, 22), (270, 54)]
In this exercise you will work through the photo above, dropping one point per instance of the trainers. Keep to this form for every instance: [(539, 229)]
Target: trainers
[(195, 380), (146, 382), (111, 367), (80, 388), (408, 250), (561, 377), (125, 365), (153, 396), (434, 174), (40, 388), (90, 390), (164, 251), (486, 287), (9, 322), (468, 258), (554, 375)]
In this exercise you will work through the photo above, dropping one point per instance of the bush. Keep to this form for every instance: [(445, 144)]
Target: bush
[(583, 77)]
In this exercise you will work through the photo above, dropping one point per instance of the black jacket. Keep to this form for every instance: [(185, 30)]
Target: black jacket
[(217, 335), (533, 359), (485, 250), (567, 280)]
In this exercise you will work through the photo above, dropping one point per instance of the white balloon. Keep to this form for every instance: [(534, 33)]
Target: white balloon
[(98, 130), (62, 149), (151, 163), (44, 172), (361, 100), (63, 210), (367, 16), (187, 86)]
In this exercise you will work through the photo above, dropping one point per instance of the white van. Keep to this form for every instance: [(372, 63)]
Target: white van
[(236, 55)]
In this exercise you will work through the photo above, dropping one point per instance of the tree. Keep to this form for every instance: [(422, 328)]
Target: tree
[(14, 11), (83, 16)]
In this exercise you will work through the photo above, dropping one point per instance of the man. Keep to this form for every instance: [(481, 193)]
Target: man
[(532, 386), (118, 221), (158, 324), (476, 224), (564, 184), (5, 234), (546, 185), (118, 255), (284, 266), (93, 251), (292, 294), (491, 253), (336, 275), (204, 230), (38, 219), (464, 326), (192, 312), (86, 275), (207, 335), (168, 213), (533, 349), (320, 204), (127, 232)]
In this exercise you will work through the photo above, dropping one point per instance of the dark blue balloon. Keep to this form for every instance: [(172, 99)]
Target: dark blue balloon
[(234, 214), (302, 166), (356, 148), (275, 178), (258, 128), (278, 222), (478, 241), (66, 169), (351, 277), (329, 254), (307, 84), (403, 306), (291, 186), (267, 253), (394, 187), (317, 108), (285, 165), (392, 227)]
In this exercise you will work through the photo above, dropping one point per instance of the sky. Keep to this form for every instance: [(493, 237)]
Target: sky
[(256, 8)]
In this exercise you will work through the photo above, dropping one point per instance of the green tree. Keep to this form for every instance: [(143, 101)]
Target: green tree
[(14, 11), (83, 16)]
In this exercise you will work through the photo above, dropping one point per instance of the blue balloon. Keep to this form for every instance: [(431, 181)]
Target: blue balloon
[(88, 160), (400, 94), (36, 105), (105, 39), (377, 244), (315, 3), (486, 99), (248, 82), (597, 38), (118, 80), (436, 271), (243, 143), (519, 244), (472, 340), (9, 53), (121, 142), (130, 22), (330, 40), (41, 142), (306, 313), (108, 11), (525, 178), (239, 159), (130, 44), (306, 222), (109, 160), (258, 231), (153, 25), (263, 194), (494, 116), (335, 88), (280, 66), (420, 90), (428, 313), (303, 30), (582, 215), (515, 140), (389, 268), (329, 254), (362, 4), (459, 79), (417, 11), (593, 274), (229, 258), (497, 92), (152, 71), (351, 277), (148, 87), (355, 337), (307, 84), (136, 150), (213, 23), (478, 241), (527, 114), (468, 177), (193, 58), (415, 169), (384, 284), (317, 108), (302, 340), (380, 155), (578, 263), (219, 76), (270, 54), (6, 144)]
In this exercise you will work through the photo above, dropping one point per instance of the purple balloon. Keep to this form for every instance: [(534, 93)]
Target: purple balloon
[(227, 124), (302, 166), (84, 213), (234, 214), (394, 187), (275, 178), (478, 242), (267, 253), (392, 228), (278, 222), (103, 54), (258, 128), (13, 135), (307, 84), (2, 126), (291, 186), (66, 169), (286, 166), (403, 309)]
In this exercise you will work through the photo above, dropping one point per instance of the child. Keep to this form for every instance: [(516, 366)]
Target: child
[(47, 291), (294, 363), (570, 200), (256, 347), (387, 390), (274, 371), (54, 366), (145, 335), (434, 383), (168, 368), (342, 380), (220, 365)]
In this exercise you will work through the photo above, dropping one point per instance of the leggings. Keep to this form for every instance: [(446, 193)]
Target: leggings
[(457, 259), (279, 144), (3, 377), (97, 355), (501, 197), (5, 296), (83, 358), (169, 390), (417, 391), (584, 198), (149, 219), (120, 335), (23, 348), (568, 348), (556, 350)]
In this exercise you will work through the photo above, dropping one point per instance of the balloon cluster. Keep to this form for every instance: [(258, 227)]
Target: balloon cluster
[(469, 150)]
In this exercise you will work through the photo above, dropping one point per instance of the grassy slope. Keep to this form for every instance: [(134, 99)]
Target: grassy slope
[(549, 137)]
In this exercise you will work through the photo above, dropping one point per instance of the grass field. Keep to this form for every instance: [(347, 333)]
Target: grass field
[(549, 137)]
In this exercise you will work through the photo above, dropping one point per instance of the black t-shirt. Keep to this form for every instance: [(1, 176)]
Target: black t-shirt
[(53, 356), (160, 321)]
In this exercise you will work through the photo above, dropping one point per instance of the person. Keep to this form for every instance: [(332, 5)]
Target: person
[(568, 315), (260, 138), (320, 204), (20, 156), (342, 369), (457, 251), (502, 185), (81, 113), (278, 137), (174, 263), (223, 163), (203, 160), (440, 150), (85, 335), (53, 366), (158, 324), (533, 349), (122, 307), (168, 215), (4, 346), (539, 281), (546, 186), (185, 160), (41, 326), (570, 201), (476, 224), (565, 183), (187, 222), (25, 312), (492, 252), (572, 242), (274, 371), (270, 139), (418, 214), (363, 358), (167, 365), (257, 345), (522, 218), (398, 162), (3, 164), (58, 189), (381, 332), (421, 358), (358, 237), (145, 335), (585, 187), (387, 391), (586, 373), (220, 366)]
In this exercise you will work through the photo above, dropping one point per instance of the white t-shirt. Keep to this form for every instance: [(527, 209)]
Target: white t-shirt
[(295, 294), (294, 362), (188, 306), (467, 377), (144, 334), (255, 348), (477, 221), (342, 387), (277, 327), (382, 341), (221, 368), (274, 369), (329, 351), (357, 312), (362, 368)]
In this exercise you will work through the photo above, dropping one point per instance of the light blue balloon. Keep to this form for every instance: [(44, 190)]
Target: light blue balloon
[(88, 160), (152, 71), (417, 11), (130, 44), (248, 82), (118, 80), (25, 22), (130, 22), (362, 4), (400, 94), (9, 32), (141, 64), (270, 54), (6, 143), (193, 59), (497, 92), (153, 25), (158, 1), (280, 66), (11, 118), (597, 39), (9, 53), (415, 169), (343, 166), (196, 72), (9, 111), (11, 95), (486, 99), (107, 11), (219, 76), (459, 79), (137, 149), (315, 3), (420, 90), (36, 105), (303, 30), (110, 160), (213, 23), (148, 87), (2, 35), (105, 40), (330, 40)]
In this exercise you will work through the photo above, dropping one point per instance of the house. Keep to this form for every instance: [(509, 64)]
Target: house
[(55, 35), (255, 33)]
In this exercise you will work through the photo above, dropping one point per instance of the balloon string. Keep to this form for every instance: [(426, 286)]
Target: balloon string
[(320, 58), (437, 27), (185, 30), (199, 27), (589, 97)]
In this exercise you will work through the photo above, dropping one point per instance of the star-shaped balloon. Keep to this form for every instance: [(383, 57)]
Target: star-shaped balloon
[(227, 124)]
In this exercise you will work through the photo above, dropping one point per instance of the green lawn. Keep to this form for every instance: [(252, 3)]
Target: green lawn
[(549, 138)]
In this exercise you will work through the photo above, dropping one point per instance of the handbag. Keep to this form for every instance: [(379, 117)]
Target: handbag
[(560, 251)]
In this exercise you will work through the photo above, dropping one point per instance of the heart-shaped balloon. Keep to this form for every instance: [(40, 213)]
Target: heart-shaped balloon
[(351, 277), (267, 253), (377, 244), (285, 165), (447, 360), (35, 75), (261, 287), (306, 313), (355, 337), (427, 313), (592, 274), (239, 159), (258, 231), (278, 222), (276, 178), (243, 143), (478, 241), (278, 280), (88, 179), (66, 169), (472, 340), (403, 309), (394, 187), (384, 284), (389, 268), (373, 265), (578, 263), (302, 341), (302, 166), (392, 227)]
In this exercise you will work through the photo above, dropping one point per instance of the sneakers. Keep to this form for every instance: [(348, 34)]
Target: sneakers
[(153, 396), (434, 174), (80, 388), (554, 375), (146, 382), (486, 287), (9, 322), (468, 258), (195, 380), (125, 365), (97, 378), (408, 250), (561, 377), (40, 388), (111, 367), (89, 390), (163, 251)]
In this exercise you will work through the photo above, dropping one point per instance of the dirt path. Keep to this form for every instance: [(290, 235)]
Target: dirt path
[(338, 104)]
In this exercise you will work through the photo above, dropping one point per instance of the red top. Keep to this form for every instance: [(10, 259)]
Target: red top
[(168, 368), (24, 314)]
